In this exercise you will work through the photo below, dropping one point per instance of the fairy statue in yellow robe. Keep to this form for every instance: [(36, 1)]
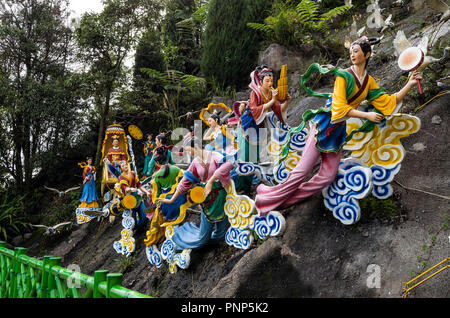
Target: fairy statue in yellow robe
[(328, 132)]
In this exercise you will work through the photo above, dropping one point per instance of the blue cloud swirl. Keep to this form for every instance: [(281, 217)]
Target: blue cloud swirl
[(353, 181), (238, 238), (167, 249), (153, 256), (269, 225)]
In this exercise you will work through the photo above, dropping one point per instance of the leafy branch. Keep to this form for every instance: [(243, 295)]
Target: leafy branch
[(11, 221), (173, 78), (173, 82), (292, 24)]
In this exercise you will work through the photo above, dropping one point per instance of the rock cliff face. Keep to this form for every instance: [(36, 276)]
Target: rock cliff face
[(317, 256)]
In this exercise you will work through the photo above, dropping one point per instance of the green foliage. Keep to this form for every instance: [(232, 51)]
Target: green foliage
[(372, 207), (39, 97), (227, 92), (269, 29), (125, 263), (291, 24), (200, 15), (172, 79), (104, 40), (58, 210), (181, 31), (174, 85), (12, 221), (428, 248), (173, 51), (148, 53), (230, 48)]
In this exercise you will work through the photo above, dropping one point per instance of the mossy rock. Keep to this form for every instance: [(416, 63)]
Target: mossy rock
[(374, 208)]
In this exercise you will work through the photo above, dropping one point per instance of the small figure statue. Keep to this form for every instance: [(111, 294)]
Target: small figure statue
[(89, 197), (221, 138), (114, 150), (164, 182), (115, 154), (149, 146), (160, 140), (263, 99), (129, 184)]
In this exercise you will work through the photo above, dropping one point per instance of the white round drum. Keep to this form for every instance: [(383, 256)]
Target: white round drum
[(410, 59)]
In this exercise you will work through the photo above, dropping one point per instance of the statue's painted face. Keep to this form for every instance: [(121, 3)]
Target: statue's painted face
[(357, 55), (242, 108), (115, 142), (267, 81), (212, 122)]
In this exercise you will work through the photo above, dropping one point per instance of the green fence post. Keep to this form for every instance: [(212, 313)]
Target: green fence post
[(29, 280), (99, 276), (33, 283), (24, 278), (43, 292), (60, 287), (15, 283), (112, 280), (12, 278), (3, 272), (20, 278), (51, 283)]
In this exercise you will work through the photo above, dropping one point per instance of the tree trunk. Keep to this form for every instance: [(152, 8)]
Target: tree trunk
[(18, 168), (26, 136), (18, 141), (28, 165), (101, 126)]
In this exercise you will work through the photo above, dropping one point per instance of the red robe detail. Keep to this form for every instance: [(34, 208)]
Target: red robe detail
[(132, 182), (256, 107), (117, 151)]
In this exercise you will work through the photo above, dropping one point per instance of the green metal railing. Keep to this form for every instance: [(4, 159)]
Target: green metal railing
[(22, 276)]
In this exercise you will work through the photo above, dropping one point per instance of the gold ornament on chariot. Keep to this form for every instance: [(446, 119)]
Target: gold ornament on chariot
[(135, 132)]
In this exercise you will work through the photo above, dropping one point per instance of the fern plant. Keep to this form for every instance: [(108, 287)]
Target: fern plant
[(173, 78), (11, 221), (198, 18), (295, 24), (174, 83)]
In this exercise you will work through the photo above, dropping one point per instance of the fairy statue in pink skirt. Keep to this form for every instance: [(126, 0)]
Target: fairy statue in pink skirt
[(328, 133)]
